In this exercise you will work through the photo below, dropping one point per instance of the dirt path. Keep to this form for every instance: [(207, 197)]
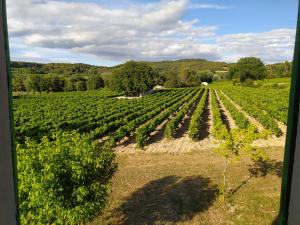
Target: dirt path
[(230, 120)]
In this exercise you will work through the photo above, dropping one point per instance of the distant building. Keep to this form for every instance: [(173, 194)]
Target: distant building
[(204, 83)]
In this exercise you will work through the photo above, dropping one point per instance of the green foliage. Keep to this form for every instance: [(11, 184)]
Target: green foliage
[(152, 110), (260, 107), (248, 68), (239, 118), (143, 132), (64, 181), (94, 82), (279, 70), (194, 65), (186, 77), (18, 82), (235, 144), (195, 124), (171, 80), (33, 83), (205, 76), (173, 124), (133, 78), (81, 86), (238, 141), (219, 129)]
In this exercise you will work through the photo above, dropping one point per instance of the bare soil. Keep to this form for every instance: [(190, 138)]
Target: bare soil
[(182, 143), (225, 112), (240, 109), (271, 141)]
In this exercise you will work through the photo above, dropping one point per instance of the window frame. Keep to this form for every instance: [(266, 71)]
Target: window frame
[(8, 166)]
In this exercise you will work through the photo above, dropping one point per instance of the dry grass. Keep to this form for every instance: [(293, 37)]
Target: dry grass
[(165, 188)]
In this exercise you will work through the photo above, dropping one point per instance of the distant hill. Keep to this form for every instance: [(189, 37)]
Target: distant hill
[(192, 64), (80, 68)]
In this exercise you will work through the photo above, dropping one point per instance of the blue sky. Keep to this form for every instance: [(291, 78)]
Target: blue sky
[(109, 32), (248, 15)]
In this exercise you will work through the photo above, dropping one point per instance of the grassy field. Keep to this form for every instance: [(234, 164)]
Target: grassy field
[(158, 188)]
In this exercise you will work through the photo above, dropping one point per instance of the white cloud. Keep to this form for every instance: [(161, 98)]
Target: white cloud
[(208, 6), (153, 32), (272, 46)]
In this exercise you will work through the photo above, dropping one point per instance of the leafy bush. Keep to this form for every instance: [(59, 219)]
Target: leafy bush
[(63, 181)]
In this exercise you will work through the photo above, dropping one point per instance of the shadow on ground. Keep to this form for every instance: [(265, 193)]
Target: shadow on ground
[(261, 168), (166, 200)]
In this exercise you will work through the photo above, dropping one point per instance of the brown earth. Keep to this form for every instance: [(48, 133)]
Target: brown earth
[(182, 143)]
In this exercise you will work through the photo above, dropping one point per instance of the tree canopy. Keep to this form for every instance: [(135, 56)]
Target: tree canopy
[(133, 78), (248, 68)]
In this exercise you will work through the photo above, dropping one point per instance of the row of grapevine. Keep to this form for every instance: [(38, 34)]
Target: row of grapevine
[(250, 106), (274, 102), (219, 128), (40, 115), (113, 120), (173, 124), (143, 133), (128, 128), (195, 123), (241, 121), (124, 126)]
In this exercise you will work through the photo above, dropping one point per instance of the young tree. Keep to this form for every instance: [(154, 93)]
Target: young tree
[(237, 143)]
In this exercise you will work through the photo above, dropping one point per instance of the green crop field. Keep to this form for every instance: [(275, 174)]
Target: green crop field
[(187, 122), (99, 114)]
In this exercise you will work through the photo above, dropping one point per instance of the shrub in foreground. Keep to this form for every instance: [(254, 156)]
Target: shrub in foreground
[(63, 181)]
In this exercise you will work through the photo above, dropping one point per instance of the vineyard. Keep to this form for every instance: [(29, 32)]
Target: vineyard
[(102, 117), (76, 131)]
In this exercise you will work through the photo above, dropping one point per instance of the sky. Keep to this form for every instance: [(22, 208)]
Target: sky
[(109, 32)]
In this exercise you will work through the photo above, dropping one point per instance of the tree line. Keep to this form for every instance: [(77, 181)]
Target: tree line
[(136, 78), (252, 68), (55, 83)]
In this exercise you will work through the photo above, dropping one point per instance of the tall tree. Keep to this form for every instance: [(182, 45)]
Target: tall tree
[(248, 68), (133, 78), (186, 76), (33, 83)]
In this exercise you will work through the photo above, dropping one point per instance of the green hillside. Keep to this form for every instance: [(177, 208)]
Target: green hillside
[(80, 68)]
